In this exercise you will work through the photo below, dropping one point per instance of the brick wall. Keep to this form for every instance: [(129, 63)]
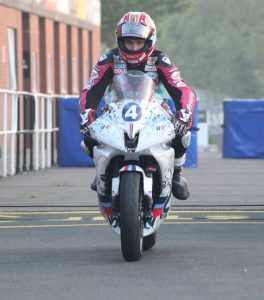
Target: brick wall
[(86, 64), (63, 58), (96, 44), (34, 52), (50, 76), (60, 55), (54, 54), (74, 60), (10, 18)]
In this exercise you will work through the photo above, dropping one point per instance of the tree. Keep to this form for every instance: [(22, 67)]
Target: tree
[(219, 46), (113, 10)]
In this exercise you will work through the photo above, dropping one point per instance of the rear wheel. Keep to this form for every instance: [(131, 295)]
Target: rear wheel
[(149, 241), (131, 216)]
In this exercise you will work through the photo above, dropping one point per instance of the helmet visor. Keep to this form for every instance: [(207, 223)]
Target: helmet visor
[(133, 29)]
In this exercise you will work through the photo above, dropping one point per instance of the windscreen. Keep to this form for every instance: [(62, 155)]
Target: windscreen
[(133, 85)]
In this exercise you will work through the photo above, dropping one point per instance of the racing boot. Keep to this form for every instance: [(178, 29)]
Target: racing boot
[(93, 185), (85, 148), (179, 185)]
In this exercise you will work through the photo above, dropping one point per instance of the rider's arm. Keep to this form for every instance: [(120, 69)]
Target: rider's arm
[(101, 76), (182, 95)]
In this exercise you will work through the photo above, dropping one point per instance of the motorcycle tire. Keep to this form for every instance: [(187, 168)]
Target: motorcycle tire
[(149, 241), (131, 216)]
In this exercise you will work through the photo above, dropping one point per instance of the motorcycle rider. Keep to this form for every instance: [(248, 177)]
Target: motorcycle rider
[(136, 37)]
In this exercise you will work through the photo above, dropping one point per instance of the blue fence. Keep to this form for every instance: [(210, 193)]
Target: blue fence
[(192, 152), (243, 128), (70, 153)]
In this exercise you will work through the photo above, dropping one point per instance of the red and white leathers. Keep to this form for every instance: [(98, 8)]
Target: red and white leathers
[(158, 66)]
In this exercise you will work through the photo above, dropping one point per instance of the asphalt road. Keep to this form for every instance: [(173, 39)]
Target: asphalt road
[(215, 182), (198, 255), (55, 245)]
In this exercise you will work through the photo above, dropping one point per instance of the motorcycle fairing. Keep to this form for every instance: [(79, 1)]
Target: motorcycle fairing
[(127, 117), (158, 130), (105, 130), (160, 208)]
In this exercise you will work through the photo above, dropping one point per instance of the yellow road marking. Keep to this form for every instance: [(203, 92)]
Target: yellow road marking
[(51, 212), (98, 218), (73, 219), (7, 222), (227, 217), (216, 222), (68, 219), (177, 218), (172, 211), (9, 217), (216, 211), (52, 226), (106, 224)]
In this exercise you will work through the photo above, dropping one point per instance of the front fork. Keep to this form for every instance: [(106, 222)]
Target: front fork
[(147, 181)]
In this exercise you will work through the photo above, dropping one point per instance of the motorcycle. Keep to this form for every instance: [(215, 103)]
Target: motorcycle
[(134, 162)]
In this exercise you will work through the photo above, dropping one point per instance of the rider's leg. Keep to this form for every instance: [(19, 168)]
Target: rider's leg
[(87, 145), (179, 185)]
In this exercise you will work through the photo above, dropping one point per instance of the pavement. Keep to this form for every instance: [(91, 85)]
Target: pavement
[(215, 182)]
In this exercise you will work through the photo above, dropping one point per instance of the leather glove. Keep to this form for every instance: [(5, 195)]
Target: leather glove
[(87, 117), (183, 121)]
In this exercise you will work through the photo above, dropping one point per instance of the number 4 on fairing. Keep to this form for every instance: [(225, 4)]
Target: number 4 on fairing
[(131, 112)]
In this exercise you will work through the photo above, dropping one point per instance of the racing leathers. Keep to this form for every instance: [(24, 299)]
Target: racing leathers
[(162, 70)]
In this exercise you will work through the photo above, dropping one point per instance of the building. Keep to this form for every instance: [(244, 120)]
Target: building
[(47, 50), (48, 46)]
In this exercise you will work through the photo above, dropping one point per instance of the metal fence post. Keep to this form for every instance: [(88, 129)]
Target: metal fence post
[(4, 147), (42, 132), (13, 133), (36, 134), (49, 129), (28, 142)]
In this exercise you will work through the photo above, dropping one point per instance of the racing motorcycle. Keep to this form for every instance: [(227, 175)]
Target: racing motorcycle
[(134, 162)]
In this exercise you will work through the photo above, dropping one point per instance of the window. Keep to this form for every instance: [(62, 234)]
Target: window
[(62, 66), (12, 75), (74, 76), (50, 79), (90, 47), (34, 73), (85, 73), (69, 58)]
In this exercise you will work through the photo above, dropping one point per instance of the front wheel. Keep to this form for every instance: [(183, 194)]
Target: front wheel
[(131, 216)]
